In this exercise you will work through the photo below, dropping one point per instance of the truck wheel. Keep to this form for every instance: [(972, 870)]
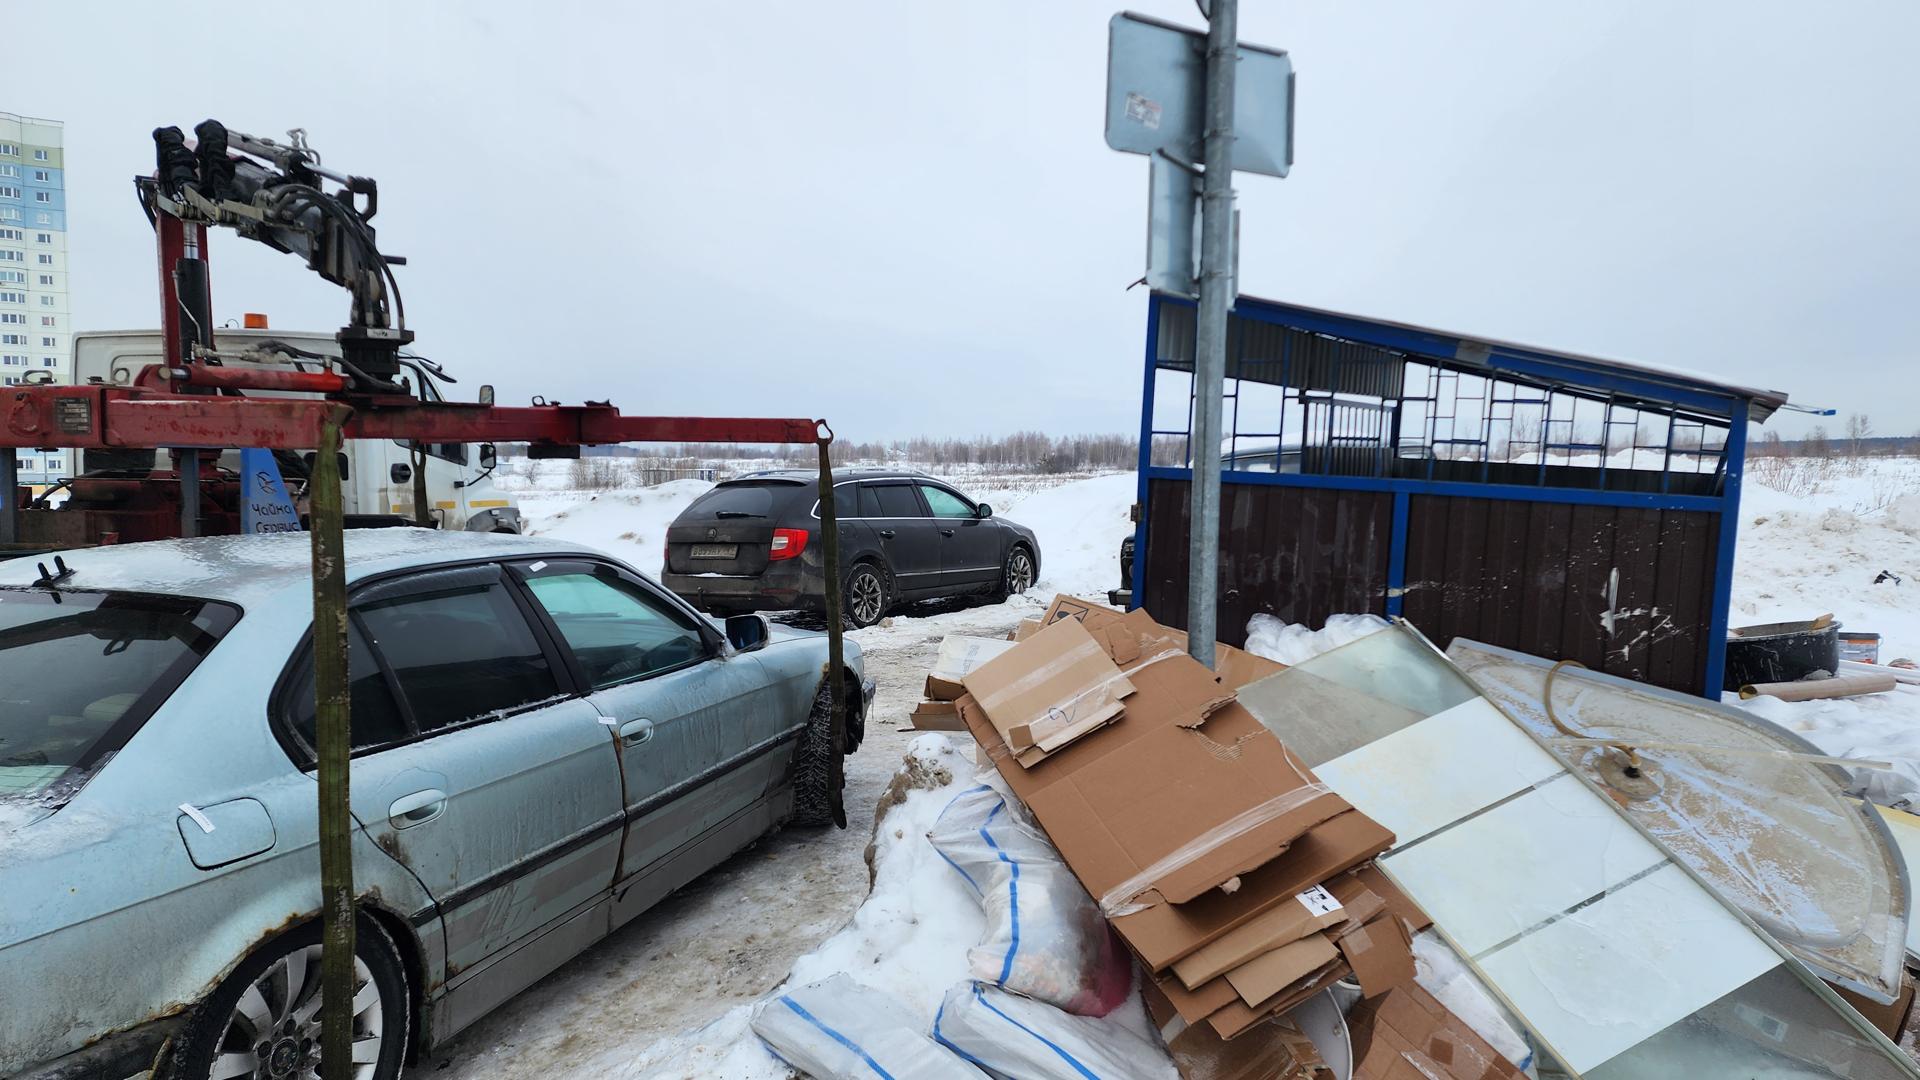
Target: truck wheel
[(263, 1020), (865, 601), (814, 799)]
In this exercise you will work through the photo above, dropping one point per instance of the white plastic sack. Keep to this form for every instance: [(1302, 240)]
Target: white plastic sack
[(1045, 936), (837, 1029), (1015, 1038)]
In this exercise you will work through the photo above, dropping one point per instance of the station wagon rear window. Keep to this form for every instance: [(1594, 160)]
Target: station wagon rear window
[(81, 671), (750, 499)]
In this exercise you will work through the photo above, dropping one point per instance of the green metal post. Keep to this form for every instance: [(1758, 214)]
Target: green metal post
[(836, 684), (332, 738)]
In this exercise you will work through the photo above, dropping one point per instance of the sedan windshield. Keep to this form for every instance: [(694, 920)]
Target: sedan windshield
[(79, 673)]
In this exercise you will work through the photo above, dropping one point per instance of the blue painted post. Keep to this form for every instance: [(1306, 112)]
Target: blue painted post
[(1146, 454), (1736, 465), (1397, 555)]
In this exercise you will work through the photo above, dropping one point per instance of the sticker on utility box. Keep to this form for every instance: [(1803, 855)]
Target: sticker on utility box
[(1319, 901), (1143, 110)]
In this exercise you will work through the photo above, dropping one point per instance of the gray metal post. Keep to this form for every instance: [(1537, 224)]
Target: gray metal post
[(1210, 348), (9, 495), (189, 470)]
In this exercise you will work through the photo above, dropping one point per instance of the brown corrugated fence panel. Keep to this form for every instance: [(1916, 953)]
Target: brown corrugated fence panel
[(1625, 590), (1298, 553)]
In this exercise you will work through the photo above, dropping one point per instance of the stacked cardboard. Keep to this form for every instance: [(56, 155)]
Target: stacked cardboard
[(959, 654), (1220, 859)]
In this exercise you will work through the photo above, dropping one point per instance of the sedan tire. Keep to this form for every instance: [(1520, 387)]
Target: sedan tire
[(263, 1021), (1017, 575)]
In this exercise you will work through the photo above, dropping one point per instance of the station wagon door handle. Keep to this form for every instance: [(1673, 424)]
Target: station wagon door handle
[(421, 806), (886, 534), (946, 532), (635, 732)]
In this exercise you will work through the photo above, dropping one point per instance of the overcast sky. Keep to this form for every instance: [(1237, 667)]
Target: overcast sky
[(903, 217)]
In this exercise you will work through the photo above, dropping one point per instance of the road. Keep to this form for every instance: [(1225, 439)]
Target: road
[(732, 936)]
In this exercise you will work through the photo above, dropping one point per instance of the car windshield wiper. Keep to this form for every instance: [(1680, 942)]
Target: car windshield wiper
[(735, 514)]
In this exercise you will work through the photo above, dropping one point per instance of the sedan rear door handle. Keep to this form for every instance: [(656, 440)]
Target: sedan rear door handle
[(635, 732), (417, 808)]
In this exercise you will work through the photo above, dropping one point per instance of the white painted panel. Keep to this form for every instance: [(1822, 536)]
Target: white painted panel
[(1438, 770), (1624, 968), (1564, 839)]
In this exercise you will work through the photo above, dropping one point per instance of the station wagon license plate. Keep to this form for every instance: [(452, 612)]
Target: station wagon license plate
[(715, 551)]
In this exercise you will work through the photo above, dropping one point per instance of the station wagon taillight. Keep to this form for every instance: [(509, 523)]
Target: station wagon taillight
[(787, 544)]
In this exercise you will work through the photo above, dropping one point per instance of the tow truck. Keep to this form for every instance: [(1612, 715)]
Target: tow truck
[(194, 403)]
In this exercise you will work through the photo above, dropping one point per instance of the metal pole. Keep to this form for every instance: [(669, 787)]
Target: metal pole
[(836, 682), (332, 738), (1210, 346), (187, 464), (9, 495)]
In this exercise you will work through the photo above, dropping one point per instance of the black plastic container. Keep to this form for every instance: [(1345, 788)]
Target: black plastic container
[(1780, 652)]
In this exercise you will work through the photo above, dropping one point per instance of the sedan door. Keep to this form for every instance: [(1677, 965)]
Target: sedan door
[(970, 553), (705, 749), (504, 797), (908, 539)]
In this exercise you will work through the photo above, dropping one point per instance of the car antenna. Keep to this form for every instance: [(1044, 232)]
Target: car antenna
[(61, 573)]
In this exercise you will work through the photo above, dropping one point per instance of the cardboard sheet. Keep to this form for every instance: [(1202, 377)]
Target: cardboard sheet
[(1406, 1034), (1054, 687), (1380, 954), (1285, 922), (962, 653), (1270, 973), (1233, 668), (936, 716)]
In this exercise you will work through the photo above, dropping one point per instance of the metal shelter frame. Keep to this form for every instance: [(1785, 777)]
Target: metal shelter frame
[(1384, 407)]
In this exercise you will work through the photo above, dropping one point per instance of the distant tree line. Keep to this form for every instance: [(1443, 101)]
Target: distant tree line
[(1026, 451)]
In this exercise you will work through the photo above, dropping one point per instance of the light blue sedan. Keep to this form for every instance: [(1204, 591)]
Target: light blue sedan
[(546, 743)]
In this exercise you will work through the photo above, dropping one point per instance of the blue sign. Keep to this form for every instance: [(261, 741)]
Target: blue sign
[(265, 507)]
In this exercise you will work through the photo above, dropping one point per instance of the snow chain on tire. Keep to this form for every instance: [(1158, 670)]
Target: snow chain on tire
[(813, 764)]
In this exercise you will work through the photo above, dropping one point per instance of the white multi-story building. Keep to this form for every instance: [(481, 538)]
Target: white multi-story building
[(36, 331)]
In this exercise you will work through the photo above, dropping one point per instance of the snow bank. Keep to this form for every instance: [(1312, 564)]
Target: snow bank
[(909, 940), (1292, 643), (628, 523), (1080, 527)]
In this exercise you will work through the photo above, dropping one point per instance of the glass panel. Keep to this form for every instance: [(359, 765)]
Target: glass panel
[(617, 635), (1377, 685), (461, 654), (1618, 961), (1728, 793)]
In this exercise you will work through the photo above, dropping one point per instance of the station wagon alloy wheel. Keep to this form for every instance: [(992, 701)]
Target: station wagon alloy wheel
[(1019, 572), (274, 1030), (866, 596)]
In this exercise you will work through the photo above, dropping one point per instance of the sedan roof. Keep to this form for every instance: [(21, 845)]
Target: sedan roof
[(255, 571)]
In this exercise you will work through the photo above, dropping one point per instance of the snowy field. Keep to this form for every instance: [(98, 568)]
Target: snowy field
[(670, 996)]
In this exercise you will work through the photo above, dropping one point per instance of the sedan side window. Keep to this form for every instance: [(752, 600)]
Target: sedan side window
[(944, 503), (898, 501), (617, 632), (460, 653), (375, 718)]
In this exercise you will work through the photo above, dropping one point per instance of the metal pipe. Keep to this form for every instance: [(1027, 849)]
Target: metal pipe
[(332, 739), (187, 464), (836, 682), (312, 382), (1210, 345), (9, 495)]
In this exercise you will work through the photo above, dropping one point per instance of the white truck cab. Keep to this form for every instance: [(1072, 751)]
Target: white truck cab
[(378, 479)]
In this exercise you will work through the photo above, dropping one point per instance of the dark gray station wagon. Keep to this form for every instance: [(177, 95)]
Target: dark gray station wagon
[(753, 544)]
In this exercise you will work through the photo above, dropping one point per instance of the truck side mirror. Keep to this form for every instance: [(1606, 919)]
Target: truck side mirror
[(486, 393), (489, 455)]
